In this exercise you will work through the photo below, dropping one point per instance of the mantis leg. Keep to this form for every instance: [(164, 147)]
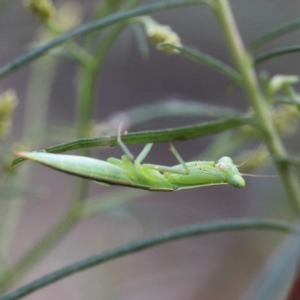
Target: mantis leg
[(165, 169), (130, 156), (143, 154), (123, 146), (179, 158), (178, 169), (147, 149)]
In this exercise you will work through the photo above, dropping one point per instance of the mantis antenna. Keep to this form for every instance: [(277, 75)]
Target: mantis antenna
[(250, 156)]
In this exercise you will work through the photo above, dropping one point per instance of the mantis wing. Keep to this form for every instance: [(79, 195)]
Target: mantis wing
[(86, 167)]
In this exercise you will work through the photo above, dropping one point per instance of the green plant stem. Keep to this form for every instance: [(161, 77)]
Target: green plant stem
[(291, 160), (274, 34), (93, 26), (71, 217), (86, 92), (154, 136), (86, 95), (260, 106), (206, 59), (87, 85), (77, 213), (130, 248), (37, 252), (39, 85), (88, 77)]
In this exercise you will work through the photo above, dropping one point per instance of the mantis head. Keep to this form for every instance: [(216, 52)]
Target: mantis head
[(233, 176)]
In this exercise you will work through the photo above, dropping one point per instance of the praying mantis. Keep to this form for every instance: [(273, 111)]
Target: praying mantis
[(132, 173)]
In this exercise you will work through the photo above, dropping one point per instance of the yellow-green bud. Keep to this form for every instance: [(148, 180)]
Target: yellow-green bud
[(285, 119), (161, 34), (8, 101), (44, 9), (277, 82)]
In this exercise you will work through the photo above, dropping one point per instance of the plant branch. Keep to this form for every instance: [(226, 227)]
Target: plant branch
[(260, 106), (274, 34), (275, 53), (36, 52), (180, 233), (206, 59), (37, 252), (154, 136)]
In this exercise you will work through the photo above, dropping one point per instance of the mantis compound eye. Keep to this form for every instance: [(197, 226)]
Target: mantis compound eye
[(236, 181), (225, 159)]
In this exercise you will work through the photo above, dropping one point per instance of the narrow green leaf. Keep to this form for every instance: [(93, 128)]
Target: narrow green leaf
[(208, 60), (141, 40), (130, 117), (274, 280), (180, 233), (36, 52), (274, 34), (275, 53), (155, 136), (292, 100)]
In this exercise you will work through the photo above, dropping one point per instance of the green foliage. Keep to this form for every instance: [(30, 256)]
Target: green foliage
[(272, 117)]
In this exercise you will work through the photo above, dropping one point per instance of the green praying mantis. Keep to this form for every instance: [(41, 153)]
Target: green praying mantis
[(132, 173)]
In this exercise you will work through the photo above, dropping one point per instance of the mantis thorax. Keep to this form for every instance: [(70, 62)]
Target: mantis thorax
[(233, 176)]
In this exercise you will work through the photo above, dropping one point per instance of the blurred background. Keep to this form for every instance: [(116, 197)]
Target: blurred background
[(220, 266)]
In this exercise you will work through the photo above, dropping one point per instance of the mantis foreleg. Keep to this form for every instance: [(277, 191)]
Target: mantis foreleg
[(123, 146), (183, 168), (179, 158), (143, 154)]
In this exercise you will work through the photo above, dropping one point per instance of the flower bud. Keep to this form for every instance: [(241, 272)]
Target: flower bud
[(44, 9), (161, 34)]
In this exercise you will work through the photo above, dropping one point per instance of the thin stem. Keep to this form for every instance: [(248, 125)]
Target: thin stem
[(275, 53), (155, 136), (206, 59), (260, 106), (77, 213), (37, 252), (93, 26), (59, 230), (86, 94), (274, 34), (291, 160), (37, 97), (180, 233), (88, 78)]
